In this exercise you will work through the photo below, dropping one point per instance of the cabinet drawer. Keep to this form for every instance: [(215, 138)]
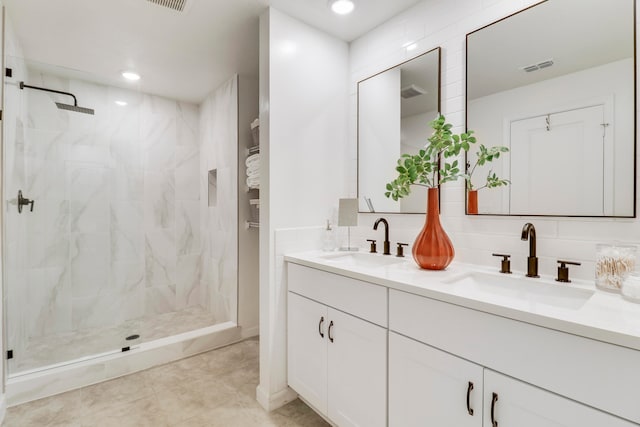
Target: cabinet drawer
[(598, 374), (358, 298)]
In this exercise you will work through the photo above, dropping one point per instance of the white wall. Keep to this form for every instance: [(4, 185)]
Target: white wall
[(303, 128), (445, 23)]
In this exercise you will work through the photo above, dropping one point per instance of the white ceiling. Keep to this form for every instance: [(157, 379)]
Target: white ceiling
[(181, 55)]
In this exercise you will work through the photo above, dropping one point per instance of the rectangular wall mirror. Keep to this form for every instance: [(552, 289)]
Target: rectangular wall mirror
[(394, 111), (555, 83)]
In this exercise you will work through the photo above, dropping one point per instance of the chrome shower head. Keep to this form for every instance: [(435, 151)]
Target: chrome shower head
[(75, 108)]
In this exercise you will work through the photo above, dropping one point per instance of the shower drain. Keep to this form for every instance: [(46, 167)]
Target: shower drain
[(132, 337)]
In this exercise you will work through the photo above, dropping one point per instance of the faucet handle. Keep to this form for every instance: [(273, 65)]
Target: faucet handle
[(563, 270), (400, 249), (505, 266), (373, 246)]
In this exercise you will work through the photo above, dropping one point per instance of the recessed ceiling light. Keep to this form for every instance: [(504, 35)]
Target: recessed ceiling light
[(121, 103), (131, 75), (342, 7)]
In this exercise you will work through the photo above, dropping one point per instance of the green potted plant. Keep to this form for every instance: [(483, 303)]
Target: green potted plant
[(484, 155), (427, 168), (435, 164)]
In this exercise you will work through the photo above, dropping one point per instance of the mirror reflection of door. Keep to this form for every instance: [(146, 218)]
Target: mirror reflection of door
[(541, 149), (557, 58)]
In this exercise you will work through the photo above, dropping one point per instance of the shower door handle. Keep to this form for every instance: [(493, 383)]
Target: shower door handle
[(23, 201)]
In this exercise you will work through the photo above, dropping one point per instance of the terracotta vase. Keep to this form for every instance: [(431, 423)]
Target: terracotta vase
[(433, 249), (472, 202)]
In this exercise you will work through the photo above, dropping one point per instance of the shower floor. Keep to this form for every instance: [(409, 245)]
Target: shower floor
[(42, 352)]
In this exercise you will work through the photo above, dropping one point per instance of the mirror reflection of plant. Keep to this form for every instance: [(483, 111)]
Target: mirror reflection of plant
[(486, 155), (423, 168)]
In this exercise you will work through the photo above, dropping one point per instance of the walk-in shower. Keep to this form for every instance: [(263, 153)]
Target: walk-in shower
[(122, 250)]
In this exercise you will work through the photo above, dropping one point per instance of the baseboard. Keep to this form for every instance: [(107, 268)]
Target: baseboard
[(250, 332), (275, 400), (3, 407)]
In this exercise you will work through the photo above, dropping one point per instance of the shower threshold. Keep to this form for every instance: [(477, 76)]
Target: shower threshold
[(48, 352), (25, 387)]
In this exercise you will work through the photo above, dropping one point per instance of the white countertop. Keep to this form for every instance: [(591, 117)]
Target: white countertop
[(604, 316)]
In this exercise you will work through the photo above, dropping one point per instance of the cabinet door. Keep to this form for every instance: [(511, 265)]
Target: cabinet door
[(519, 404), (307, 350), (357, 372), (428, 387)]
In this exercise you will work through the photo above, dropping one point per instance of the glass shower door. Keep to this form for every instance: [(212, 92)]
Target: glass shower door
[(62, 300), (121, 242)]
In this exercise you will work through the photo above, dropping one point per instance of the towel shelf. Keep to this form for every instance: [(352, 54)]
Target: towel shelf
[(254, 200)]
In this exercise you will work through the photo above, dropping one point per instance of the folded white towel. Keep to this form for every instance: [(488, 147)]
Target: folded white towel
[(252, 159), (253, 182), (253, 168)]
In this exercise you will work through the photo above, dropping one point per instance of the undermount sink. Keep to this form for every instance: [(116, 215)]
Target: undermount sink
[(519, 291), (362, 259)]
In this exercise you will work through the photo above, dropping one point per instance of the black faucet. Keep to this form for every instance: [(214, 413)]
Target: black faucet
[(529, 232), (387, 244)]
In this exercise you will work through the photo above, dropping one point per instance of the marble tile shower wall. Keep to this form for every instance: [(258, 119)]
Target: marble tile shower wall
[(114, 233), (219, 217)]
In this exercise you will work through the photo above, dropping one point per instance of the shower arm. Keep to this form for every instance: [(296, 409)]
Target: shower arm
[(44, 89)]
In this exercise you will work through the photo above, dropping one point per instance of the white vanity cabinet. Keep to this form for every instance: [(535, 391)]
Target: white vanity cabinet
[(428, 387), (337, 346), (472, 344), (369, 355), (431, 387), (515, 403), (307, 349)]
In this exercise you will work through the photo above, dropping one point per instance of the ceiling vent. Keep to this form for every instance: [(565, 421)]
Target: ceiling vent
[(412, 91), (177, 5), (545, 64), (538, 66)]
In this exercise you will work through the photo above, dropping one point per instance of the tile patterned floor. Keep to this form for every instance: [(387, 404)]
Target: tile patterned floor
[(213, 389)]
